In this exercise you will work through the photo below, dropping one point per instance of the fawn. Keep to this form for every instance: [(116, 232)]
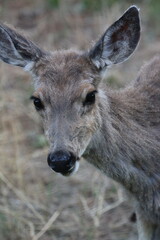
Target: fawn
[(116, 130)]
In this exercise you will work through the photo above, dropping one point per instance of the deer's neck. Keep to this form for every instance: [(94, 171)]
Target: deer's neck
[(122, 148)]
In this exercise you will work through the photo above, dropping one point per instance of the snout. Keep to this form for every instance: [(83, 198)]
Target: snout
[(62, 162)]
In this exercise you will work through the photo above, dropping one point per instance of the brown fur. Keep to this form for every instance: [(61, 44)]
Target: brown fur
[(122, 128), (129, 148)]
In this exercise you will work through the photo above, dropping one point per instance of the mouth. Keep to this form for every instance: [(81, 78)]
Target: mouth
[(71, 171)]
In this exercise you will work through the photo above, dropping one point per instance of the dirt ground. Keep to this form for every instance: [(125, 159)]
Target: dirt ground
[(36, 203)]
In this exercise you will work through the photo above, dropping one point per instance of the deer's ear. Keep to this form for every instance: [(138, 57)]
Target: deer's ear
[(119, 41), (16, 49)]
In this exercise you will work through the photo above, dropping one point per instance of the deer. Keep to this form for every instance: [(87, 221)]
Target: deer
[(118, 131)]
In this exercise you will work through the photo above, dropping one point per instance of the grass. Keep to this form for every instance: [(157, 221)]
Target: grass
[(35, 203)]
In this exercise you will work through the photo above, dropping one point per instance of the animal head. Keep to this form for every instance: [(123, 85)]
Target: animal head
[(67, 94)]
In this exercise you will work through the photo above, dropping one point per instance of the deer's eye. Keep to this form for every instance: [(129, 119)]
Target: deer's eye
[(90, 98), (37, 103)]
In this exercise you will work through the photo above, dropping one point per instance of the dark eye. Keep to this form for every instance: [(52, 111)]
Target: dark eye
[(37, 103), (90, 98)]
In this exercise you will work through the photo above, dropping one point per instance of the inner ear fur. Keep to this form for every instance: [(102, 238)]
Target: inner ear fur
[(16, 49), (119, 41)]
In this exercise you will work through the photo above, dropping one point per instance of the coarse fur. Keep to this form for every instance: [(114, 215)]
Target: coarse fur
[(117, 131), (127, 146)]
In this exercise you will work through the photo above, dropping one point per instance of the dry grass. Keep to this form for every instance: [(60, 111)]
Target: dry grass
[(35, 203)]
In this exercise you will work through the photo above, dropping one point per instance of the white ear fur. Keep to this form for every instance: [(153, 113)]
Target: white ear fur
[(29, 66)]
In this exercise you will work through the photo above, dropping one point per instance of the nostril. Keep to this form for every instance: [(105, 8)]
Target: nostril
[(61, 161)]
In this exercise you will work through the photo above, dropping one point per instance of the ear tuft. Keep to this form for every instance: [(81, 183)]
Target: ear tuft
[(119, 41)]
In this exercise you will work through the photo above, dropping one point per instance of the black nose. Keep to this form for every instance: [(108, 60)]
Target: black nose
[(62, 161)]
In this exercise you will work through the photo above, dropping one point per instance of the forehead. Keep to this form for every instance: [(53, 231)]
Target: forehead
[(65, 71), (65, 67)]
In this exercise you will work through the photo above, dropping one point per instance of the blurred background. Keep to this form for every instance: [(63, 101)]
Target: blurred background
[(36, 203)]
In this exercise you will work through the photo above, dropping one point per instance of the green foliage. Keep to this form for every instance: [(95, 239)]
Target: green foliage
[(40, 141), (113, 82), (53, 3), (2, 218), (95, 5), (92, 5), (154, 10), (9, 225)]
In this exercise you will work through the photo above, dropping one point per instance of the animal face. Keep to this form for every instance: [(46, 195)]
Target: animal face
[(67, 98), (67, 84)]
